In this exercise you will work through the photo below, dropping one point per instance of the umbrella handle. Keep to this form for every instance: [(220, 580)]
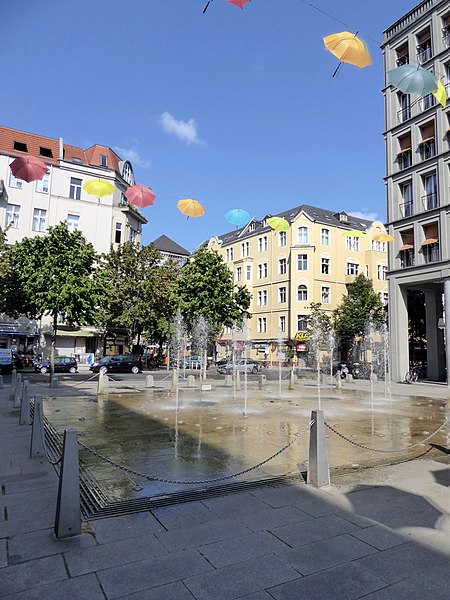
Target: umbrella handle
[(337, 69), (206, 7)]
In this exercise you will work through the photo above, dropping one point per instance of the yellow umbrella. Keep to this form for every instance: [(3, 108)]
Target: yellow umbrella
[(440, 94), (98, 187), (278, 223), (354, 233), (191, 208), (348, 48), (383, 237)]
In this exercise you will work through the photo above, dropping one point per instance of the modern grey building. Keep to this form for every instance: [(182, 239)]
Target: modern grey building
[(418, 182)]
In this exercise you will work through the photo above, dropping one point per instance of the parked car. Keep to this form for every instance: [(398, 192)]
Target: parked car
[(118, 363), (246, 365), (194, 362), (63, 364)]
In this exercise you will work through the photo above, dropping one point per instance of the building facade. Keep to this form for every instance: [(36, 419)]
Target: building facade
[(286, 271), (170, 250), (28, 209), (418, 182)]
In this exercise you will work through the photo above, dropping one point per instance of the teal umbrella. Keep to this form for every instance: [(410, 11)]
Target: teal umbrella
[(237, 216), (411, 79)]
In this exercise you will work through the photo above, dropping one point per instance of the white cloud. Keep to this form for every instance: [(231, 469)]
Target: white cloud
[(372, 216), (133, 156), (184, 130)]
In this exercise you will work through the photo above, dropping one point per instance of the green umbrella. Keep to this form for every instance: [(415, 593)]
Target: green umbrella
[(354, 233), (278, 223)]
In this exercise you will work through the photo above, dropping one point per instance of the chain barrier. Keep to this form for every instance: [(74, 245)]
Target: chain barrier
[(201, 482), (85, 380), (415, 445)]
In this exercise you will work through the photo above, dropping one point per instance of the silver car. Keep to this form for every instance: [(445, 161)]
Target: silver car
[(245, 365)]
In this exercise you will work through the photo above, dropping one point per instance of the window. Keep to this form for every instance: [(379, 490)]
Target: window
[(20, 146), (262, 244), (325, 265), (39, 219), (12, 215), (282, 324), (262, 298), (404, 102), (352, 268), (262, 271), (47, 152), (245, 249), (353, 243), (42, 185), (249, 272), (262, 324), (282, 295), (384, 297), (73, 221), (282, 238), (228, 330), (75, 188), (302, 323), (325, 237), (14, 182), (229, 254), (404, 156), (430, 199), (118, 233), (239, 274), (378, 246), (103, 160), (427, 147), (282, 266), (326, 295), (424, 50), (133, 234), (302, 262), (381, 272), (302, 235), (406, 205), (427, 102), (302, 293)]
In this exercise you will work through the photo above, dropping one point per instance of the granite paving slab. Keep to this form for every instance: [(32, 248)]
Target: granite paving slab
[(171, 591), (37, 544), (85, 587), (380, 537), (124, 527), (3, 554), (235, 504), (414, 588), (31, 574), (273, 517), (306, 532), (185, 515)]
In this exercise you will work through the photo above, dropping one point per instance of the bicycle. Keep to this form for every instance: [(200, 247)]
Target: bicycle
[(412, 375)]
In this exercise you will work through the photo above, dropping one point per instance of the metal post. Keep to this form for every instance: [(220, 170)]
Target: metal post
[(37, 449), (25, 405), (12, 391), (68, 512), (318, 469)]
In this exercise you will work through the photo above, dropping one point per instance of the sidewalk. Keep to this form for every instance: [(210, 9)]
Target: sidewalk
[(378, 534)]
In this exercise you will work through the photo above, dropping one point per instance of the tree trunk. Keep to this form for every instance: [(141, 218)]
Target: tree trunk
[(53, 346)]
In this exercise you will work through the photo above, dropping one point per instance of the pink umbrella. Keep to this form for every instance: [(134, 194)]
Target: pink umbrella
[(28, 168), (239, 3), (140, 195)]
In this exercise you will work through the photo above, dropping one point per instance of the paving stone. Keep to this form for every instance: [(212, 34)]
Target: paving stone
[(104, 556), (273, 517), (413, 588), (245, 578), (282, 495), (147, 574), (3, 554), (207, 533), (171, 591), (86, 587), (306, 532), (440, 573), (185, 515), (15, 526), (125, 527), (37, 544), (236, 550), (380, 536), (257, 596), (235, 504), (345, 582), (29, 575), (325, 553)]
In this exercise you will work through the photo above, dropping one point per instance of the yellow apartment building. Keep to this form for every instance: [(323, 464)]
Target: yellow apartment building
[(286, 271)]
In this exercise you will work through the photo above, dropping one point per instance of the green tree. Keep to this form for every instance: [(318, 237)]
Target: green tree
[(351, 317), (53, 275), (205, 288), (138, 288)]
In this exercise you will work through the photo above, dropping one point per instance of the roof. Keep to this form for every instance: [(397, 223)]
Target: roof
[(14, 142), (165, 244), (316, 214)]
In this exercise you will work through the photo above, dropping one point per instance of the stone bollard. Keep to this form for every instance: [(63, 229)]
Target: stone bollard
[(318, 468), (291, 380), (262, 380), (103, 384), (18, 395), (68, 511), (1, 382), (338, 380), (374, 377), (149, 381), (54, 382), (25, 404), (191, 381), (349, 377), (37, 449), (12, 391), (237, 381), (228, 381)]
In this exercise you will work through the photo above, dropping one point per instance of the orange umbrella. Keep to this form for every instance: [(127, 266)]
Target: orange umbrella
[(191, 208), (140, 195), (383, 237), (28, 168), (348, 48)]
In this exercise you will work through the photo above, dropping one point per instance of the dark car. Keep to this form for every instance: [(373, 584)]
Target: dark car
[(118, 363), (246, 365), (63, 364)]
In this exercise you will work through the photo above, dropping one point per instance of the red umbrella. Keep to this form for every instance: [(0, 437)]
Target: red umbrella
[(140, 195), (239, 3), (28, 168)]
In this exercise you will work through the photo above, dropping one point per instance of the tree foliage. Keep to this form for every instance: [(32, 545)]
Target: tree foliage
[(205, 288)]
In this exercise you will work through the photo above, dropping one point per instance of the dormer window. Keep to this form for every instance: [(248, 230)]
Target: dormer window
[(103, 160), (47, 152), (20, 146)]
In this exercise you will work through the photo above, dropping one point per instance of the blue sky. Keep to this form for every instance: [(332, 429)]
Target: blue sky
[(234, 108)]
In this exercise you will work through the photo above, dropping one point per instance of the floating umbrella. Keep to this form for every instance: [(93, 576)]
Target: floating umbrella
[(140, 195), (354, 233), (237, 216), (278, 223), (440, 94), (28, 168), (190, 208), (383, 237), (410, 79), (238, 3), (348, 48), (98, 188)]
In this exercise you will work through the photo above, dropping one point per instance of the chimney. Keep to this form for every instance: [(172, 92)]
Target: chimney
[(61, 149)]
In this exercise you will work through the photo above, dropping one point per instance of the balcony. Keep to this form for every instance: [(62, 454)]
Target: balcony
[(446, 37), (427, 149), (424, 53), (431, 252), (406, 209), (427, 102), (404, 114), (402, 60), (404, 159), (407, 258), (430, 201)]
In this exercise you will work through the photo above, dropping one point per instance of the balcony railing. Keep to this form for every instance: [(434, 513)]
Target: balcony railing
[(406, 209), (407, 258), (430, 201), (431, 253), (446, 37), (402, 60), (424, 53), (404, 159), (427, 102), (404, 114), (427, 149)]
